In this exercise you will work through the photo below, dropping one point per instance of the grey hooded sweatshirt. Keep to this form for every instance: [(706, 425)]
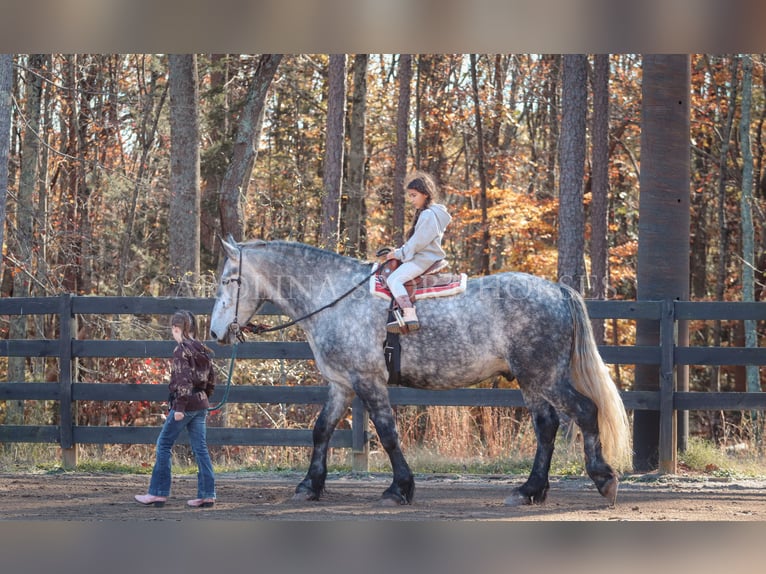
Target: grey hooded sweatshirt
[(424, 247)]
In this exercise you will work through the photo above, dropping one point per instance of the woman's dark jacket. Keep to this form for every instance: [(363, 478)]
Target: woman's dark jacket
[(192, 377)]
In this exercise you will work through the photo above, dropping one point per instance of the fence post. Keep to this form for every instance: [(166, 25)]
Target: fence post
[(360, 446), (668, 418), (66, 419)]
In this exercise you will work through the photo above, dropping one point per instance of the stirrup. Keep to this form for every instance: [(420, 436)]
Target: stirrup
[(398, 324), (412, 325)]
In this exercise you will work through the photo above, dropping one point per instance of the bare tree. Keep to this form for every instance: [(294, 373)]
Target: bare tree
[(245, 149), (355, 210), (332, 177), (22, 237), (400, 161), (184, 214), (484, 244), (574, 100), (153, 98), (599, 186), (6, 85), (748, 233)]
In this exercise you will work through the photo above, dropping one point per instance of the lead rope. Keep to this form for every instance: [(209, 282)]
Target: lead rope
[(228, 379), (238, 337)]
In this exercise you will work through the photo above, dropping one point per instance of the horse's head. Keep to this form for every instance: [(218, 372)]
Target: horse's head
[(237, 298)]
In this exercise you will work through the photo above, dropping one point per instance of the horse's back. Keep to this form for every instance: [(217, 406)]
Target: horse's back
[(510, 324)]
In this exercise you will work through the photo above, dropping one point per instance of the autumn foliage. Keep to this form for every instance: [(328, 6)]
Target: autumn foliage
[(90, 214)]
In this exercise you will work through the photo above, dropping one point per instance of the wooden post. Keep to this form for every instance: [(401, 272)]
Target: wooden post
[(668, 447), (360, 446), (66, 419)]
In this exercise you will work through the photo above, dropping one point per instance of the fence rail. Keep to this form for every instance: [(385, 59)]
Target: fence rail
[(68, 349)]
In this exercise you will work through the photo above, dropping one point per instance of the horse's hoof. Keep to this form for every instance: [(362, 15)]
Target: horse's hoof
[(399, 494), (518, 499), (391, 499), (609, 490), (303, 497), (304, 494)]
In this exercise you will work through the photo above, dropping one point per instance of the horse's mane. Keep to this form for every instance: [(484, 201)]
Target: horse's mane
[(296, 249)]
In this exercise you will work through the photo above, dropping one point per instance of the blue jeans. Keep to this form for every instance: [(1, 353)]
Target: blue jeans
[(194, 423)]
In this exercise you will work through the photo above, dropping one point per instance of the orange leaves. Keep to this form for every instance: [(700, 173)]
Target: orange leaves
[(522, 229)]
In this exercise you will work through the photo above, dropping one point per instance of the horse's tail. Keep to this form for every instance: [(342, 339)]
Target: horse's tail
[(591, 378)]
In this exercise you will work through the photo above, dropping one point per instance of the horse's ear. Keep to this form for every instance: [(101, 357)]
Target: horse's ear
[(230, 247)]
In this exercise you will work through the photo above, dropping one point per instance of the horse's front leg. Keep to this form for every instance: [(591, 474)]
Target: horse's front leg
[(338, 401), (375, 398), (535, 490)]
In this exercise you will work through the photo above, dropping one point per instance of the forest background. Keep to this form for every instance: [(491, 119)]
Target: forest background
[(123, 169)]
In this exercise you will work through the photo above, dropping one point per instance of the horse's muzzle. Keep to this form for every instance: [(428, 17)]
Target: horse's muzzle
[(226, 338)]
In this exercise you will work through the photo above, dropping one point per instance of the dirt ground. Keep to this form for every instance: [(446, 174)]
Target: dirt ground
[(265, 496)]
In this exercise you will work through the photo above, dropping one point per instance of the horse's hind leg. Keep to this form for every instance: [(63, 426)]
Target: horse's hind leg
[(375, 399), (585, 413), (338, 401), (535, 489)]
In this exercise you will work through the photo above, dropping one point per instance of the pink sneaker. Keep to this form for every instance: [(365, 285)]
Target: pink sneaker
[(150, 500), (201, 502)]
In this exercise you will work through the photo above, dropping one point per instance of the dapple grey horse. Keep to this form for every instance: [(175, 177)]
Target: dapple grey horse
[(511, 324)]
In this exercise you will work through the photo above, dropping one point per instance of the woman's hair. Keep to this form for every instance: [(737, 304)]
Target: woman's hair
[(425, 184), (185, 321)]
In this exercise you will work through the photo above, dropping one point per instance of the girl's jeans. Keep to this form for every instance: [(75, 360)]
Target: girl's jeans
[(194, 422)]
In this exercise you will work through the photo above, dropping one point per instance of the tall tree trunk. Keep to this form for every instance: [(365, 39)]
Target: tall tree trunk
[(332, 177), (484, 244), (400, 159), (6, 85), (574, 100), (235, 180), (663, 240), (599, 187), (184, 212), (88, 87), (717, 421), (217, 120), (748, 241), (552, 142), (356, 211), (74, 187), (22, 238)]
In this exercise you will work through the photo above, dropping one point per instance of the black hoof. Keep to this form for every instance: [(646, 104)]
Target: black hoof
[(396, 495), (524, 495), (304, 492), (609, 490), (517, 499)]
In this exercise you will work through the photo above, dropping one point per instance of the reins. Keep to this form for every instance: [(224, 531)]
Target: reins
[(258, 329)]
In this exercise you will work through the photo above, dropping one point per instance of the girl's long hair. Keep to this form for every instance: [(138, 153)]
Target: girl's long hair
[(425, 184)]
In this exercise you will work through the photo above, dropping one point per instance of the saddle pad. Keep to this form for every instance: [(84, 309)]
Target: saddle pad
[(429, 286)]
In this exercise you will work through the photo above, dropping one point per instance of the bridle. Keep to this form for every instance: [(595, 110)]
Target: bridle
[(257, 329), (234, 325), (239, 331)]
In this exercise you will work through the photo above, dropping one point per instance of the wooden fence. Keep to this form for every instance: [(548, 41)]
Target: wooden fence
[(68, 349)]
